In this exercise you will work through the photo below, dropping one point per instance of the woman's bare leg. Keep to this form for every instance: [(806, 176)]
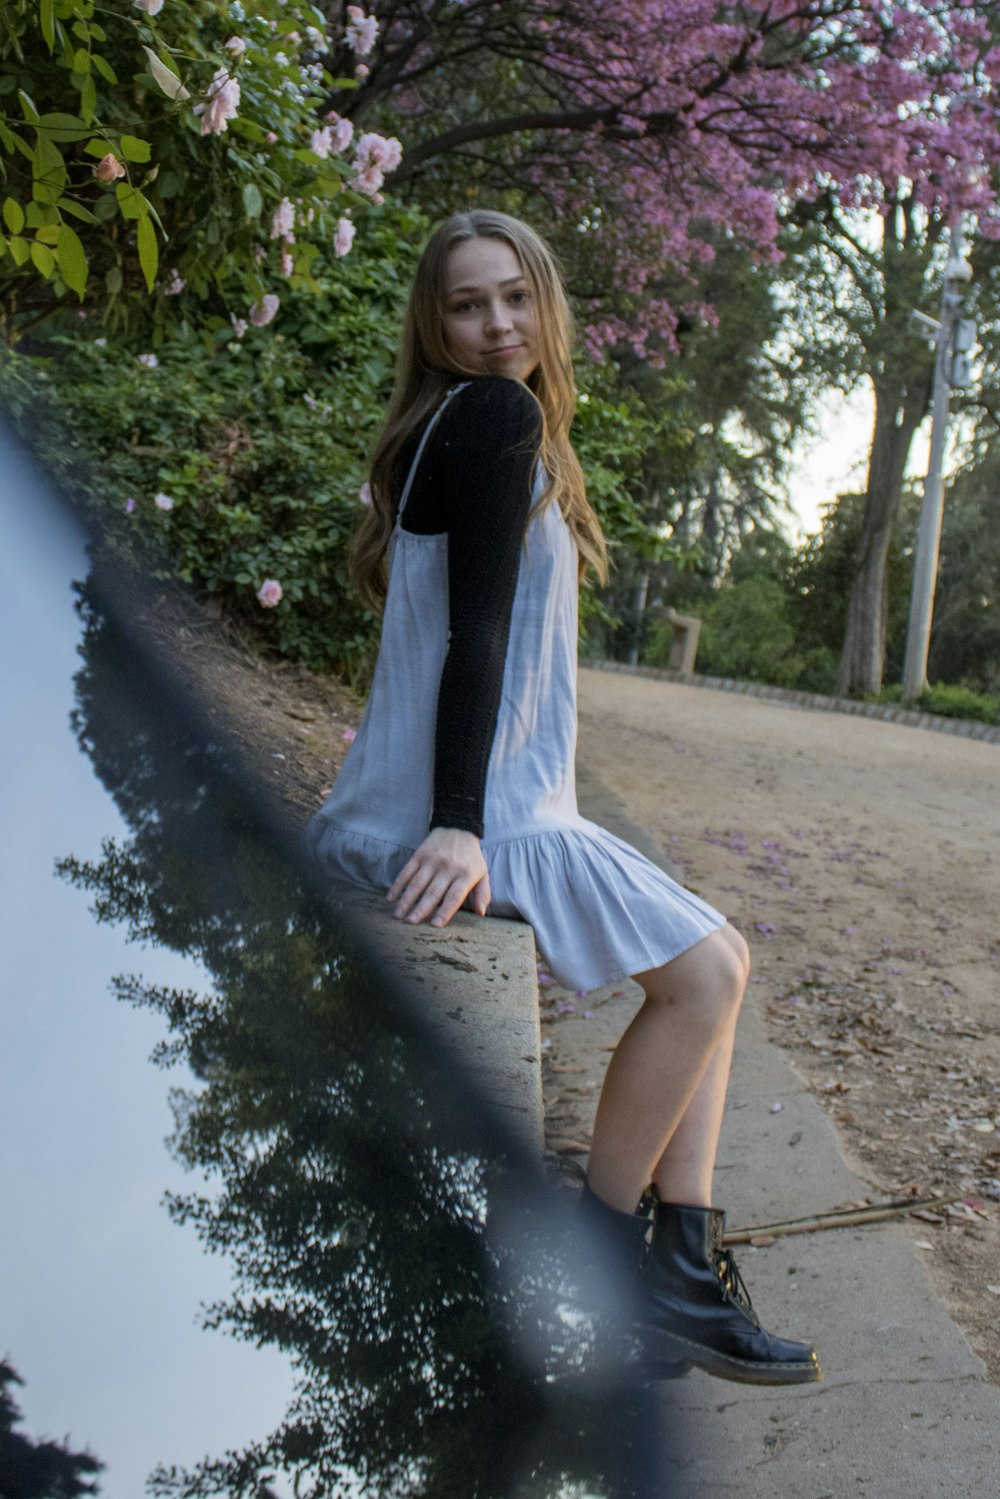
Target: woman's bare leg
[(684, 1171), (673, 1057)]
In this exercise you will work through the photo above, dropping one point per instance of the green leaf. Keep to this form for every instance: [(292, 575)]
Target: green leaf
[(252, 200), (41, 213), (103, 67), (28, 107), (113, 280), (19, 248), (88, 98), (72, 260), (165, 76), (105, 208), (62, 127), (149, 250), (48, 234), (77, 210), (134, 149), (131, 201), (47, 17), (81, 60), (49, 171), (13, 215), (43, 259), (3, 246), (98, 147), (97, 32)]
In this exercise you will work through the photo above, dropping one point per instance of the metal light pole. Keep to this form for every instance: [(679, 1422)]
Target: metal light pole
[(957, 273)]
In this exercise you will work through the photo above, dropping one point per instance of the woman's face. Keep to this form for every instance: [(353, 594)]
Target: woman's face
[(489, 312)]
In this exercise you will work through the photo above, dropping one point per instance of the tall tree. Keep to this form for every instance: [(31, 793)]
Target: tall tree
[(38, 1470), (646, 129)]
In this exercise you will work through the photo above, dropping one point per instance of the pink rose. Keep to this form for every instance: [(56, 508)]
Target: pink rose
[(269, 594), (270, 137), (344, 237), (109, 168), (151, 7), (236, 45), (362, 70), (361, 31), (283, 221), (321, 142), (263, 311), (343, 134), (220, 105)]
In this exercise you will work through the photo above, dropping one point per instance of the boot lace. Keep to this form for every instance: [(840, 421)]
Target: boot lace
[(732, 1282)]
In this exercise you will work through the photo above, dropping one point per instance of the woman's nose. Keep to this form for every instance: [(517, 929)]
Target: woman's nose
[(498, 318)]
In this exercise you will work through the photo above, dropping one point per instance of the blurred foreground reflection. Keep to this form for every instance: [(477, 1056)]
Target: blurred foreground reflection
[(385, 1233)]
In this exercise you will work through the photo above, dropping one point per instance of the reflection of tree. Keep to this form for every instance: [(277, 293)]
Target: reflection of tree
[(38, 1470), (355, 1232)]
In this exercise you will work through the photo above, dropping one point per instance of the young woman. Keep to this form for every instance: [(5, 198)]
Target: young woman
[(459, 788)]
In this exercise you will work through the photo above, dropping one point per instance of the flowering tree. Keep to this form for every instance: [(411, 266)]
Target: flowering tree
[(176, 144), (647, 127)]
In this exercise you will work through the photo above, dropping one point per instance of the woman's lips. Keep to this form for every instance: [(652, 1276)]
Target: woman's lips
[(500, 353)]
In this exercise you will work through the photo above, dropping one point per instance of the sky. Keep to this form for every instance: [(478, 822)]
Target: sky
[(99, 1290)]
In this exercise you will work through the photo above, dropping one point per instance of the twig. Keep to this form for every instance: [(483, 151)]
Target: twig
[(844, 1218)]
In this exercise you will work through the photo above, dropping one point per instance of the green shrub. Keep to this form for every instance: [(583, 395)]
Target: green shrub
[(259, 444)]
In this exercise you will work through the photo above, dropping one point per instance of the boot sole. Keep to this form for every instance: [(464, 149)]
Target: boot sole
[(671, 1349)]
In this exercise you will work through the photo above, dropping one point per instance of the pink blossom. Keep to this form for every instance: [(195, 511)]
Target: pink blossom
[(311, 402), (148, 361), (321, 142), (269, 593), (286, 264), (151, 7), (361, 31), (109, 168), (270, 137), (175, 285), (344, 237), (236, 45), (343, 133), (163, 501), (239, 326), (221, 103), (365, 493), (264, 310), (129, 505), (376, 155), (283, 221), (350, 735), (100, 343), (362, 70)]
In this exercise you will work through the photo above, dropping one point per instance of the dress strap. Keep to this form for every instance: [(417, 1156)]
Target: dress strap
[(423, 443)]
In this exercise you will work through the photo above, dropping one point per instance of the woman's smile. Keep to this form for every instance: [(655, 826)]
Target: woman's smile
[(489, 311)]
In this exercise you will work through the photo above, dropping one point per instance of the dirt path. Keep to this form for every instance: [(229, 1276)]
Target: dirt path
[(860, 859)]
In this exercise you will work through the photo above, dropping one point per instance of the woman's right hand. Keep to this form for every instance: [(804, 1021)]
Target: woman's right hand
[(439, 877)]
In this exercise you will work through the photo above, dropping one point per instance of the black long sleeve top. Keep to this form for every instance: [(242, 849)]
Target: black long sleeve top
[(474, 483)]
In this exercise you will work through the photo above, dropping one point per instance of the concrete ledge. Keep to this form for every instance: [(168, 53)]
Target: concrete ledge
[(965, 728), (478, 982)]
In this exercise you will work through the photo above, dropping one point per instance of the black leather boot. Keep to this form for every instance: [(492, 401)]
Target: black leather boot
[(624, 1241), (698, 1309)]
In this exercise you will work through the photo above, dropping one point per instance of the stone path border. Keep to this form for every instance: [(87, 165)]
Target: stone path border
[(965, 728)]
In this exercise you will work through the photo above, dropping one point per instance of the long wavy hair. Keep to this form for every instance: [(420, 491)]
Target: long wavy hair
[(425, 370)]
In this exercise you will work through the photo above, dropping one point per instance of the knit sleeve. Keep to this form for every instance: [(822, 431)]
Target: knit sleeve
[(486, 449)]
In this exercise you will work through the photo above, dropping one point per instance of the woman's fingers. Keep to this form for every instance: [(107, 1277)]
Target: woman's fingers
[(436, 879), (481, 897)]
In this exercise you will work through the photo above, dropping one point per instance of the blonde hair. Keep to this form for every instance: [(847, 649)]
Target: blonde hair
[(426, 370)]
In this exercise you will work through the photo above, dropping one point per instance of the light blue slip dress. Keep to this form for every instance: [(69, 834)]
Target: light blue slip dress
[(600, 910)]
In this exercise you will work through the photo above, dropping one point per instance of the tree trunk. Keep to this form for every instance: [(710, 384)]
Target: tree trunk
[(898, 413)]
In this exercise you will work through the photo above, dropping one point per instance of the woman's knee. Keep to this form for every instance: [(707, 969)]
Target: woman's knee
[(711, 975), (738, 944)]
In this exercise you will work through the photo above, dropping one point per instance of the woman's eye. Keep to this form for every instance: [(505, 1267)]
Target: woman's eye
[(519, 297)]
